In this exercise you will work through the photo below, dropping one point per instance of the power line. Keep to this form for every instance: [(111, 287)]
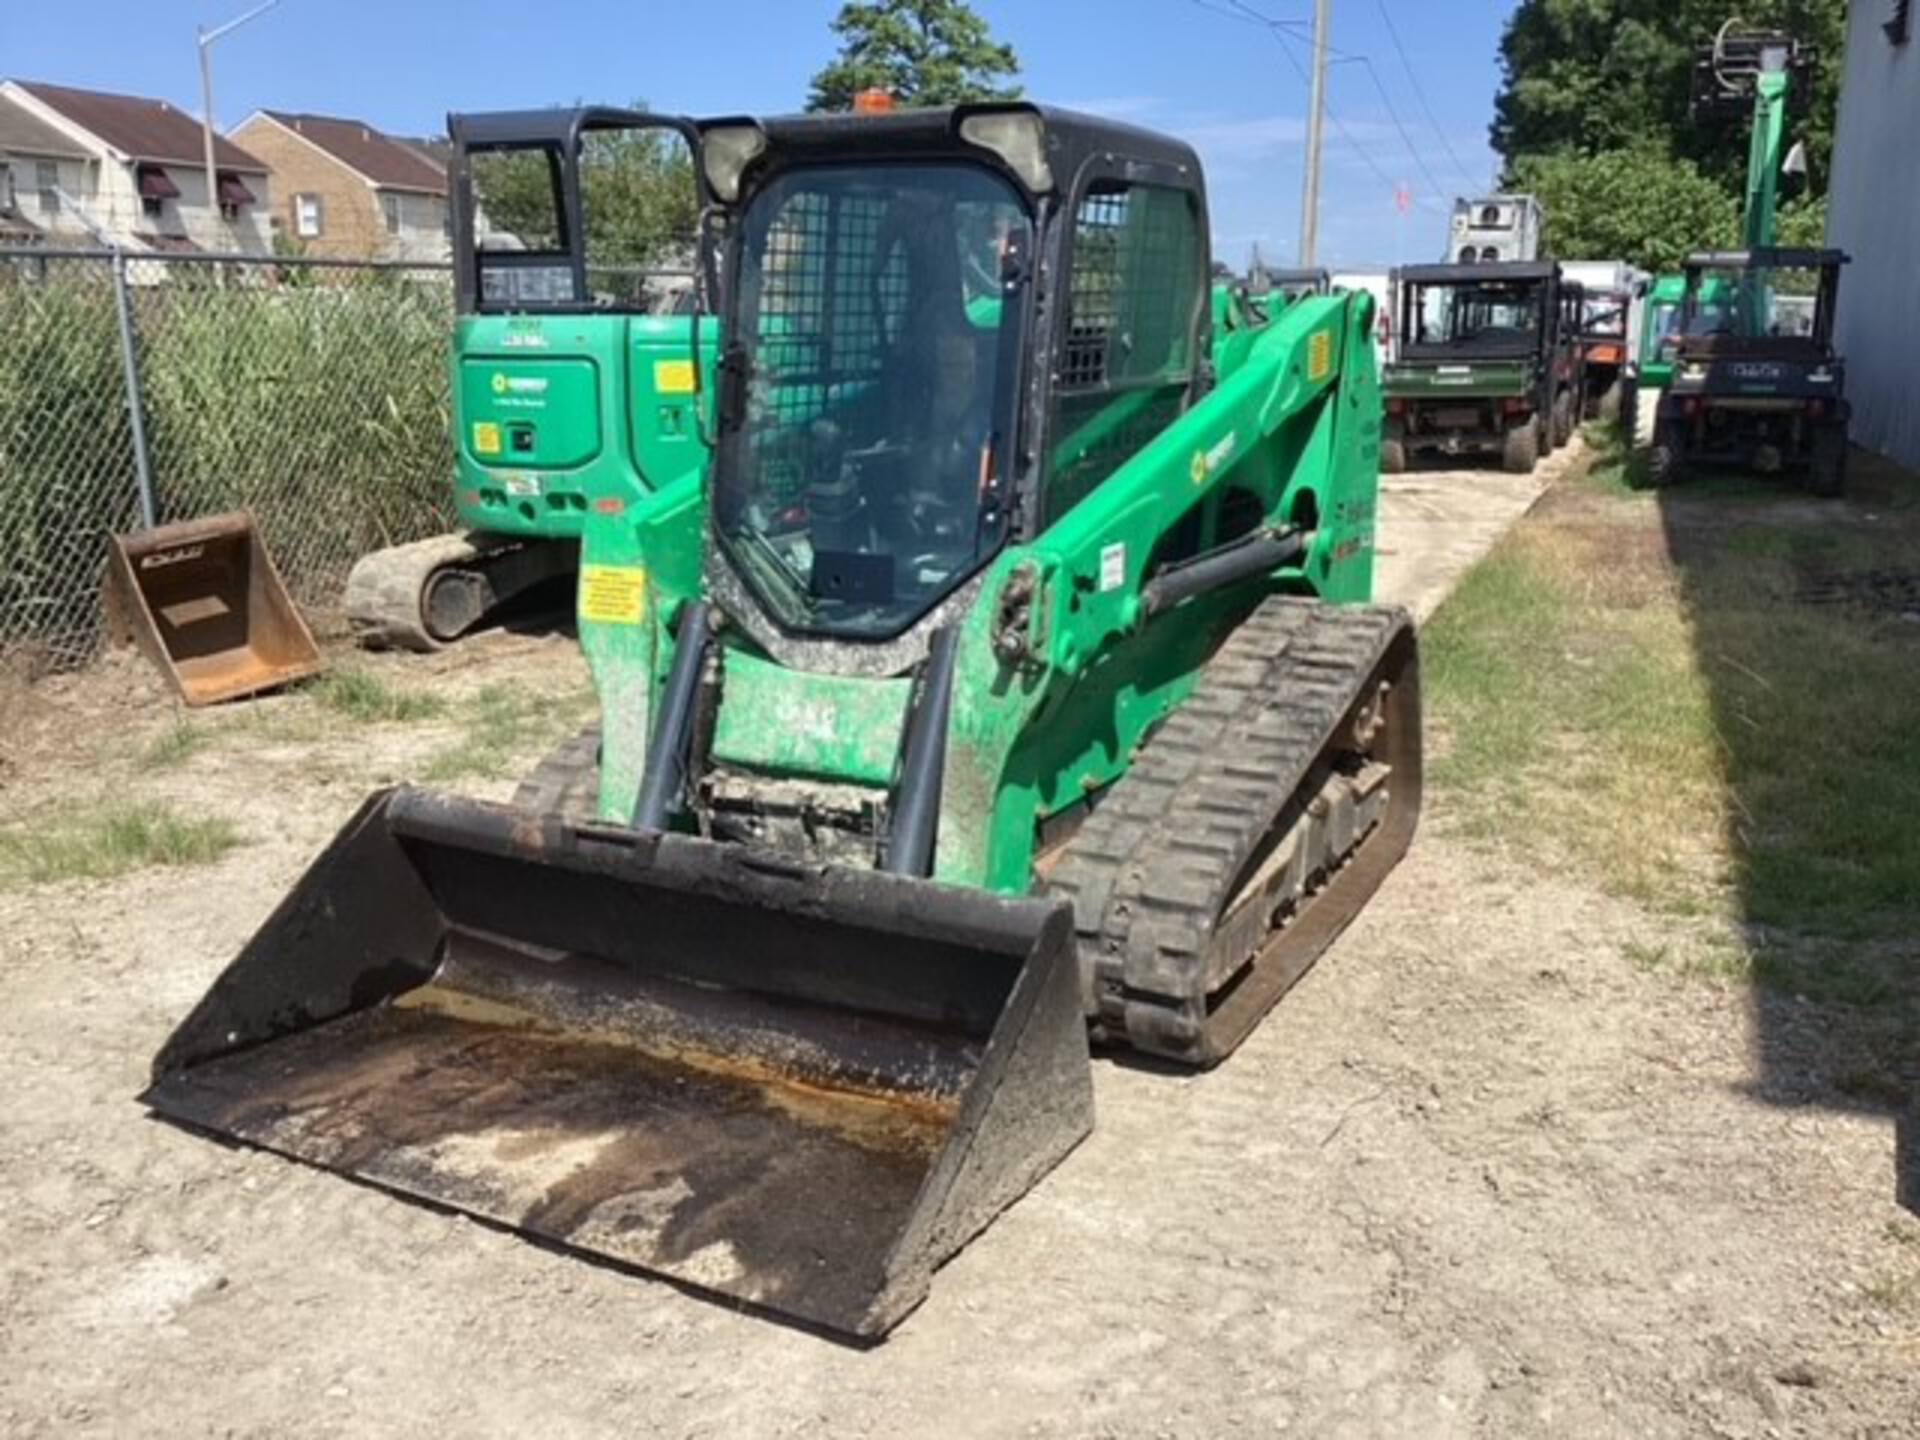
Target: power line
[(1420, 160), (1278, 30), (1420, 95), (1344, 57)]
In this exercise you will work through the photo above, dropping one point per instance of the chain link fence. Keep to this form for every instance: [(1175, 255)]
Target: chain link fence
[(142, 389)]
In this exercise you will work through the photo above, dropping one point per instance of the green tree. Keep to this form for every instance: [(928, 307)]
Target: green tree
[(1586, 76), (1593, 116), (1637, 203), (922, 52), (637, 197)]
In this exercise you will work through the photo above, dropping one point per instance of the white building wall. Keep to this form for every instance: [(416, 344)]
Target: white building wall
[(77, 178), (1874, 215), (423, 226), (112, 199)]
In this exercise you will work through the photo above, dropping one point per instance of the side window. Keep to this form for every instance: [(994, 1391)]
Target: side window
[(517, 226), (1126, 360), (641, 210)]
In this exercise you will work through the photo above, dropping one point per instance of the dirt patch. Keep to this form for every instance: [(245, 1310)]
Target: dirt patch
[(1486, 1172)]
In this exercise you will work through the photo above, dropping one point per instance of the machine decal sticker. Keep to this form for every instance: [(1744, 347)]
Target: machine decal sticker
[(1320, 355), (673, 377), (614, 594)]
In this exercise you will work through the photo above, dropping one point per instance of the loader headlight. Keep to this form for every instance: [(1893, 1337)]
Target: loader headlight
[(1018, 137), (726, 151)]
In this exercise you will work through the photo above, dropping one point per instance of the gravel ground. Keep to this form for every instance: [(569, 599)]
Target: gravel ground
[(1479, 1175)]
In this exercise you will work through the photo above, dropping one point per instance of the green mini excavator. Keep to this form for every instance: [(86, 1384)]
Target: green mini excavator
[(572, 379), (1008, 679)]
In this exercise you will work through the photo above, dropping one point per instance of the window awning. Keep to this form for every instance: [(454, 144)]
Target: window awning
[(232, 190), (155, 184)]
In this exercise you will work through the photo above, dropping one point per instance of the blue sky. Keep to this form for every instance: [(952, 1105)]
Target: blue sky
[(1200, 69)]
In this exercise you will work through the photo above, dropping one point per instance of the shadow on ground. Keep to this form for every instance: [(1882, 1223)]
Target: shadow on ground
[(1805, 622)]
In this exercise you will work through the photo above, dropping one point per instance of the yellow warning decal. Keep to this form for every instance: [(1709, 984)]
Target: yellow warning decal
[(673, 377), (1320, 355), (614, 594), (486, 437)]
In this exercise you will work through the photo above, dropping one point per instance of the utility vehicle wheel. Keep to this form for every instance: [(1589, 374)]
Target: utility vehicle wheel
[(1611, 403), (1663, 457), (1562, 418), (1827, 462), (567, 782), (1393, 455), (1521, 452)]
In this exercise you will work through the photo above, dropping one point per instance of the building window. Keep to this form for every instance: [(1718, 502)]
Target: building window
[(391, 205), (46, 179), (9, 197), (155, 187), (1899, 23), (233, 194), (308, 217)]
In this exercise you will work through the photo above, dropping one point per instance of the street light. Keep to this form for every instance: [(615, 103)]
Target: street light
[(204, 38)]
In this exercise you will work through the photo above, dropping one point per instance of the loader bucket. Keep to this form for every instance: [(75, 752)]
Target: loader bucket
[(204, 603), (801, 1087)]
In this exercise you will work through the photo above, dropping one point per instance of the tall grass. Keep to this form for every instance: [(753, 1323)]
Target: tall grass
[(66, 456), (321, 407)]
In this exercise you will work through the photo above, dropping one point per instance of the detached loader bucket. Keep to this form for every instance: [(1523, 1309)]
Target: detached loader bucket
[(801, 1087), (204, 603)]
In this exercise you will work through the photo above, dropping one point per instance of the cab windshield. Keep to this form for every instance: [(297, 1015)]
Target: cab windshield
[(875, 339), (1490, 316)]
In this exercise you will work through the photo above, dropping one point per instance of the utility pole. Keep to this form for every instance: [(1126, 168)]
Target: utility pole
[(204, 38), (1316, 107)]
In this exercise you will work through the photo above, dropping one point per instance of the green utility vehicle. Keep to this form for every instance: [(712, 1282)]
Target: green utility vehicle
[(1008, 679), (1603, 351), (1650, 355), (1768, 399), (573, 372), (1741, 74), (1485, 359)]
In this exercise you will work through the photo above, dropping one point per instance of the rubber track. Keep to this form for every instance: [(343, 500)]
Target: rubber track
[(385, 590), (1156, 863), (566, 782)]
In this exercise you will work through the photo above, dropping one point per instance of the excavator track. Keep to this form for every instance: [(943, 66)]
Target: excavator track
[(428, 594), (566, 782), (1250, 829)]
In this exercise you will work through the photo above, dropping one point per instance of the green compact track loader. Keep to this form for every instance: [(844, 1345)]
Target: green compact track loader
[(1008, 680), (573, 373)]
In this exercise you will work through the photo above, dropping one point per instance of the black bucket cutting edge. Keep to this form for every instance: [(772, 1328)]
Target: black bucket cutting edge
[(801, 1087)]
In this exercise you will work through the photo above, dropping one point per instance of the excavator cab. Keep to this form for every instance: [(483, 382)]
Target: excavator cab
[(1003, 564), (575, 373)]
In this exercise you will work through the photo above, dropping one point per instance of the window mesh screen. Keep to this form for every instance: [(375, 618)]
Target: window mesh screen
[(1126, 361)]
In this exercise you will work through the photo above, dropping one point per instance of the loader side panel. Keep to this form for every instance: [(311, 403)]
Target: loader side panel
[(1290, 437)]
